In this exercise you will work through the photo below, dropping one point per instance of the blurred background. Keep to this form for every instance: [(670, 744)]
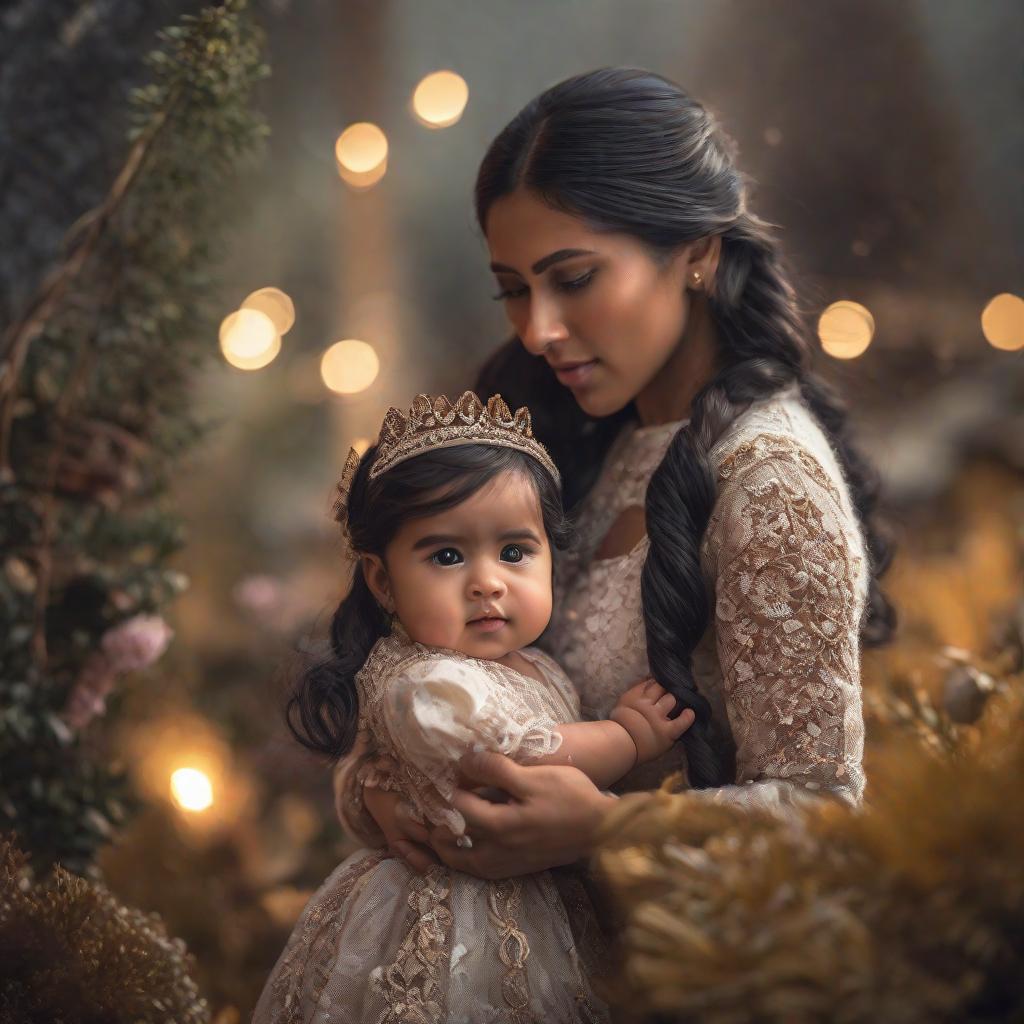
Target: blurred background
[(885, 138)]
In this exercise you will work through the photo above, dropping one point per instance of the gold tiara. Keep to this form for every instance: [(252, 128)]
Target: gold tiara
[(435, 423)]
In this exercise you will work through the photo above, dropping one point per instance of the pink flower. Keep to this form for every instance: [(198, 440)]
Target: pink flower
[(136, 644)]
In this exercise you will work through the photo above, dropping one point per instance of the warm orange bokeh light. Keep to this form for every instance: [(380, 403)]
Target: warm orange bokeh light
[(275, 304), (349, 366), (1003, 322), (846, 329), (440, 99)]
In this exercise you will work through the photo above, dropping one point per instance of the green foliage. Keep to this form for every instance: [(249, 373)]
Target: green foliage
[(94, 392)]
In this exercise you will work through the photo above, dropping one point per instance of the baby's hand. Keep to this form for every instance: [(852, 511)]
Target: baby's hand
[(643, 712)]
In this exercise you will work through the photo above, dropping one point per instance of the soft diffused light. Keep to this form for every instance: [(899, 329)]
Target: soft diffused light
[(846, 329), (249, 340), (1003, 322), (191, 789), (349, 366), (275, 304), (362, 180), (440, 99), (361, 147)]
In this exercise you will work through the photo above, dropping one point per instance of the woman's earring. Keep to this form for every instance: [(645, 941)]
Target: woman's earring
[(696, 277)]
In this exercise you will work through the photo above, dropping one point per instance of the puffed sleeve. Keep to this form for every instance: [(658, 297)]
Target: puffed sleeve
[(789, 567), (438, 709)]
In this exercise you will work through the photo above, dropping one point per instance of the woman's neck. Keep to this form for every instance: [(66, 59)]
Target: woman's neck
[(668, 397)]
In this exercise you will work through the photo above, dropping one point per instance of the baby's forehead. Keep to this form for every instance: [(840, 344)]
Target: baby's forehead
[(509, 502)]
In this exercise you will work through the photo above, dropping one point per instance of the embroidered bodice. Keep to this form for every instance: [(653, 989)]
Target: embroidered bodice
[(784, 560), (422, 708)]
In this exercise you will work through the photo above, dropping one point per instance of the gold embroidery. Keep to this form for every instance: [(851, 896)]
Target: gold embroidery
[(317, 942), (787, 618), (412, 985), (504, 898)]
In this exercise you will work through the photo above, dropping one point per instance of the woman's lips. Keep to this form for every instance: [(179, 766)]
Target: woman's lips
[(488, 625), (575, 376)]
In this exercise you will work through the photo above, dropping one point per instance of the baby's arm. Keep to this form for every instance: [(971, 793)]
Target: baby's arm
[(637, 731)]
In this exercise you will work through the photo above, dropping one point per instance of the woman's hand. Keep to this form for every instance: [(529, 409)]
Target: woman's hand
[(550, 819), (643, 712)]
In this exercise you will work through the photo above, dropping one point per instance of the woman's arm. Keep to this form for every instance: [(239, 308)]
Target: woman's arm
[(790, 578)]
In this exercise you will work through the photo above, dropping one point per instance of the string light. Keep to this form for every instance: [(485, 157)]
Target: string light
[(249, 340), (349, 366), (191, 789), (440, 99), (275, 304), (846, 329), (1002, 322)]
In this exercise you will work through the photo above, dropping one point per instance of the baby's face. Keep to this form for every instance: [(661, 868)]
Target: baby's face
[(476, 578)]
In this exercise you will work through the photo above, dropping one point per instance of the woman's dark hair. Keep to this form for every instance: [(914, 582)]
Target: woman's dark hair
[(322, 709), (629, 151)]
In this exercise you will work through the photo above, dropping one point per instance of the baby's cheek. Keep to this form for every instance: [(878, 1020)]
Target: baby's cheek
[(536, 608), (432, 622)]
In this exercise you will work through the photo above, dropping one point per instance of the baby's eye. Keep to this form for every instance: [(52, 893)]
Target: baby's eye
[(446, 556), (513, 553)]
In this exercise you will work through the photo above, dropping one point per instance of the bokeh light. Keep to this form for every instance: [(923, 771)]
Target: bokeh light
[(191, 789), (362, 180), (1002, 322), (846, 329), (275, 304), (440, 99), (249, 340), (349, 366), (361, 148)]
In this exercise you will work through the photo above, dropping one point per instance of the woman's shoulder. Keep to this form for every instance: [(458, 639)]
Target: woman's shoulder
[(779, 430)]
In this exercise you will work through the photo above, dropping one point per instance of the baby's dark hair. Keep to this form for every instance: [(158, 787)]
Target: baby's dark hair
[(322, 710)]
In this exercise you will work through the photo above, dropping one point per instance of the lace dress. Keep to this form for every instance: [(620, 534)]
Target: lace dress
[(785, 563), (380, 944)]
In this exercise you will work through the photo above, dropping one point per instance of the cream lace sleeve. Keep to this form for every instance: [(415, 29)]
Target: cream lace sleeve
[(789, 569)]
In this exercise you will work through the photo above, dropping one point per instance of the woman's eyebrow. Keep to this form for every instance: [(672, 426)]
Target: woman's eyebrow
[(546, 261)]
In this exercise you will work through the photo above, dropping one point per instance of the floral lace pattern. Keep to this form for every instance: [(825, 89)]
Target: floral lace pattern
[(416, 755), (378, 943), (411, 986), (785, 559)]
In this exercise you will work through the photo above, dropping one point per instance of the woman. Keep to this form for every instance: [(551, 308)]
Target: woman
[(726, 543)]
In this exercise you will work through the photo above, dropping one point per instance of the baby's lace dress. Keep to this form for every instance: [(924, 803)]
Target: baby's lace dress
[(380, 944), (785, 567)]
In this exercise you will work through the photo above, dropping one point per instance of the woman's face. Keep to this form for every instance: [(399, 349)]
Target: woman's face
[(597, 306)]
